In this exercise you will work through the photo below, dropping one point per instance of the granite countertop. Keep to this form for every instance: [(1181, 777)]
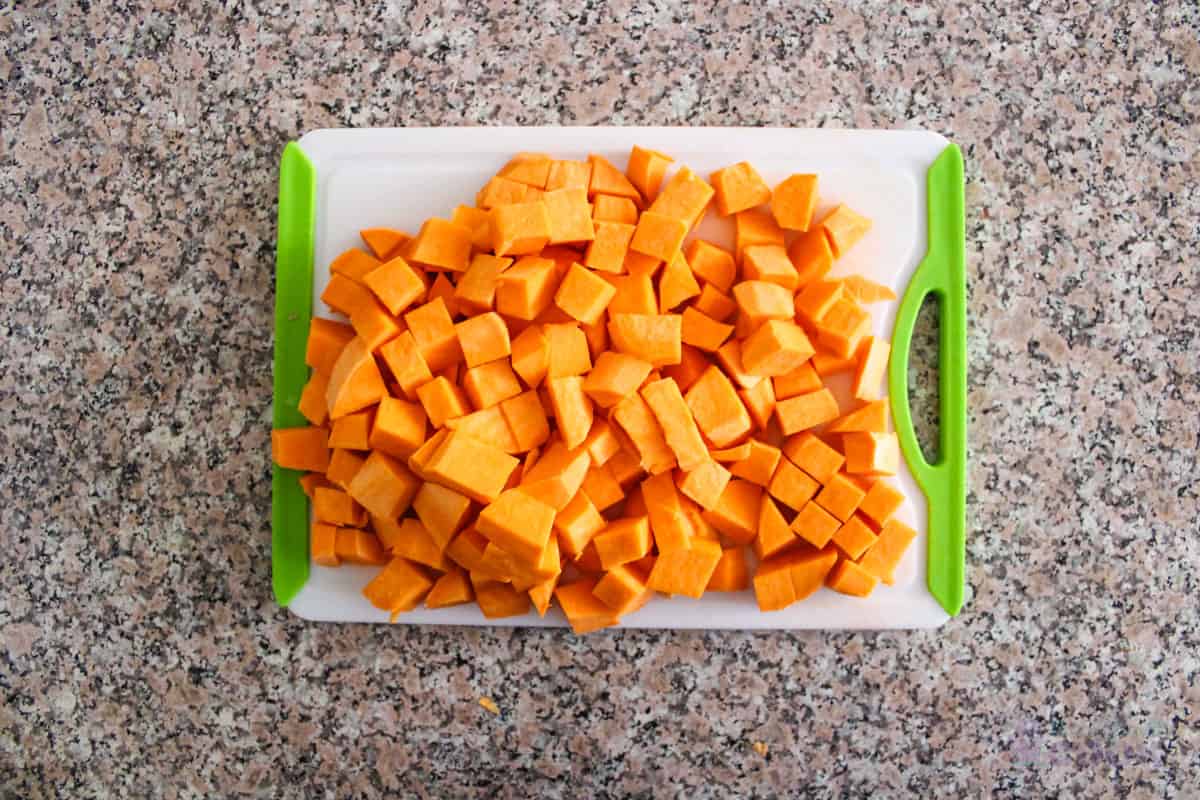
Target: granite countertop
[(141, 654)]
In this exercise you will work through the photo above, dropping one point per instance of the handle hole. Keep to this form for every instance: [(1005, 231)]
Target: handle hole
[(923, 394)]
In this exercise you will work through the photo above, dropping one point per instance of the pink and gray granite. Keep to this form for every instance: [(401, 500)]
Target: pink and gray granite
[(141, 654)]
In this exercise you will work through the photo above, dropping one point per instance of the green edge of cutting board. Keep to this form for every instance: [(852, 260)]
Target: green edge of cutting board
[(293, 312), (943, 274)]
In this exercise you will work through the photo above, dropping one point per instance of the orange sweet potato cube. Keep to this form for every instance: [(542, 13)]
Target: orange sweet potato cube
[(399, 587), (654, 338), (870, 418), (396, 284), (791, 485), (601, 442), (840, 496), (773, 535), (813, 456), (527, 288), (442, 244), (313, 399), (607, 208), (326, 340), (488, 426), (344, 294), (815, 525), (871, 453), (606, 251), (714, 265), (383, 486), (811, 256), (355, 382), (583, 609), (403, 357), (442, 400), (483, 338), (584, 295), (770, 263), (355, 546), (531, 355), (304, 448), (705, 484), (646, 170), (498, 600), (754, 226), (817, 298), (759, 463), (883, 557), (569, 216), (678, 426), (692, 363), (659, 499), (738, 187), (776, 348), (872, 357), (623, 589), (556, 476), (622, 541), (383, 242), (353, 431), (714, 304), (614, 376), (736, 514), (343, 466), (471, 467), (412, 540), (677, 283), (476, 289), (686, 571), (718, 411), (572, 409), (881, 503), (686, 196), (442, 511), (658, 235), (732, 573), (336, 507), (451, 589), (478, 221), (433, 330), (761, 301), (322, 541), (467, 549), (634, 295), (638, 422), (607, 179), (526, 419), (519, 228), (601, 488), (491, 383), (843, 327), (801, 380), (854, 537), (577, 523), (844, 228), (569, 175), (398, 428), (793, 202), (850, 578), (373, 324), (567, 350), (518, 523), (501, 190), (532, 169), (806, 411), (354, 264)]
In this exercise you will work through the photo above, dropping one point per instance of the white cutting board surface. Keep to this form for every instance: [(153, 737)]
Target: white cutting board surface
[(398, 177)]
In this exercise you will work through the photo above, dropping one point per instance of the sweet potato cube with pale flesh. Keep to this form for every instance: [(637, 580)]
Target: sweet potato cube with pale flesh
[(527, 288), (355, 382), (646, 170), (655, 338), (791, 576), (601, 488), (304, 448), (569, 216), (844, 228), (584, 295), (885, 554), (760, 402), (483, 338), (443, 245), (705, 484), (503, 191), (614, 377), (373, 324), (488, 426), (793, 202), (634, 295), (471, 467), (399, 587), (410, 539), (606, 251), (532, 169), (678, 426), (738, 187), (583, 609), (518, 523), (478, 221), (871, 453), (519, 228), (531, 355), (398, 428), (718, 411), (686, 571), (396, 284), (658, 235), (344, 294), (806, 411)]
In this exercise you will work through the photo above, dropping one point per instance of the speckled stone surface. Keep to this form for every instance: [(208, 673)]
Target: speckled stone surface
[(141, 654)]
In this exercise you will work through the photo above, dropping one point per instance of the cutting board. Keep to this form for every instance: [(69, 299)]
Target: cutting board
[(909, 183)]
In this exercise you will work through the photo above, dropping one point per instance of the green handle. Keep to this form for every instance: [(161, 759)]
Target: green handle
[(293, 311), (943, 274)]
